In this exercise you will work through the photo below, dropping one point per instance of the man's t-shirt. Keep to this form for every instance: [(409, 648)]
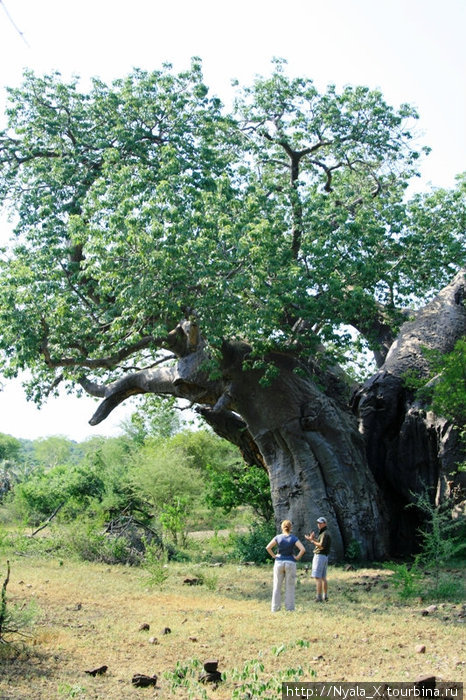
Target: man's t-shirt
[(324, 543)]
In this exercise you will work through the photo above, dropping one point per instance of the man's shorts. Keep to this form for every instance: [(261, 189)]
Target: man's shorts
[(319, 566)]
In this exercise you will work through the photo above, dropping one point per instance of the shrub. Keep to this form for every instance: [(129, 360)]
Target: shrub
[(353, 552), (155, 563), (251, 545), (89, 542), (13, 618), (406, 579)]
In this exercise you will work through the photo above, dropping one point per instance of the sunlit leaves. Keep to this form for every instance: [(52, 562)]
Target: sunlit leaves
[(141, 202)]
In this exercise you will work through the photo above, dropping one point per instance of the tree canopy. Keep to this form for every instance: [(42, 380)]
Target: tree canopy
[(143, 202)]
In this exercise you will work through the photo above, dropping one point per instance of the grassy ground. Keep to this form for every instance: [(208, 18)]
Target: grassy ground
[(90, 615)]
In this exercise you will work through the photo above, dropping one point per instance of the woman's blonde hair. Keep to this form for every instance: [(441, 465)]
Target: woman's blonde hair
[(287, 526)]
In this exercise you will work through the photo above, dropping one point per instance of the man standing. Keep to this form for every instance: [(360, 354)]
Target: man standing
[(320, 560)]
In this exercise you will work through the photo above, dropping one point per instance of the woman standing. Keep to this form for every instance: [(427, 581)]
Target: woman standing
[(285, 565)]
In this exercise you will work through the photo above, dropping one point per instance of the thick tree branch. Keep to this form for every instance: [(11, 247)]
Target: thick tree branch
[(188, 379), (231, 427), (108, 362), (160, 381)]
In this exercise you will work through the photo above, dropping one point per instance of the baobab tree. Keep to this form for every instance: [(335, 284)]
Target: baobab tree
[(240, 261)]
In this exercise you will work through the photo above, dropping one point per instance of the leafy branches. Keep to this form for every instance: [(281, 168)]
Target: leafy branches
[(142, 205)]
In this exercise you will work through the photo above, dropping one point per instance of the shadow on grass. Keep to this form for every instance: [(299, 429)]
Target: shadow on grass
[(20, 666)]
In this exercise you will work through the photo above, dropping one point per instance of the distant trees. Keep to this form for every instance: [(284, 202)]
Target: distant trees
[(163, 478)]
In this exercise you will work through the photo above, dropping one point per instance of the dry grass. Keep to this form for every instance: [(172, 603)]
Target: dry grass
[(90, 615)]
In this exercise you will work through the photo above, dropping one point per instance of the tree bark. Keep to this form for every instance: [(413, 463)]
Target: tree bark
[(409, 449), (314, 456)]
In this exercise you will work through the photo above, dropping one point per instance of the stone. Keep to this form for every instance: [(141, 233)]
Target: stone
[(420, 649), (99, 671), (144, 626), (425, 682), (212, 674), (211, 665), (140, 680)]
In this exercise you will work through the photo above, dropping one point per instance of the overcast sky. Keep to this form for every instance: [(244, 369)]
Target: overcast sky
[(412, 50)]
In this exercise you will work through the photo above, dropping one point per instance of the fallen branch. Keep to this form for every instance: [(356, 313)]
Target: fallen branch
[(49, 519)]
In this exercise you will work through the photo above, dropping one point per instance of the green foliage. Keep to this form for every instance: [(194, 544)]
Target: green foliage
[(9, 447), (66, 690), (353, 551), (111, 459), (155, 564), (172, 474), (157, 417), (52, 451), (445, 388), (233, 485), (14, 618), (159, 482), (73, 486), (174, 518), (406, 579), (449, 391), (251, 546), (442, 537), (161, 471), (184, 678), (442, 543), (252, 682), (87, 541), (139, 201), (207, 579)]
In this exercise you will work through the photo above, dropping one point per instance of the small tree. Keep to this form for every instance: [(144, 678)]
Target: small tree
[(9, 447), (442, 538), (174, 518), (157, 417)]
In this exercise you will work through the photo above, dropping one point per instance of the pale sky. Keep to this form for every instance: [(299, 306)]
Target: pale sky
[(412, 50)]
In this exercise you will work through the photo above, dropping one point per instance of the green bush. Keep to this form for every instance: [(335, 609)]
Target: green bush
[(353, 552), (72, 485), (251, 546), (88, 542), (13, 618), (406, 579), (442, 543)]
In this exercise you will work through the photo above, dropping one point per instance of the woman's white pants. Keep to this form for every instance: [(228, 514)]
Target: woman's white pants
[(283, 571)]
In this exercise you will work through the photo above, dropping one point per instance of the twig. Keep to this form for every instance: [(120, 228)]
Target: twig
[(3, 600)]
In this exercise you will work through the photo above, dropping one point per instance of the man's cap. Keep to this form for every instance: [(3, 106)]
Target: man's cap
[(321, 520)]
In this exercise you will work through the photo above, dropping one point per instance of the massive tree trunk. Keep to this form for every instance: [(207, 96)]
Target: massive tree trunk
[(357, 468), (314, 455)]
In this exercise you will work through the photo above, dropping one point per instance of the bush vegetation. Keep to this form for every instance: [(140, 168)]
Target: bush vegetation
[(134, 497)]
